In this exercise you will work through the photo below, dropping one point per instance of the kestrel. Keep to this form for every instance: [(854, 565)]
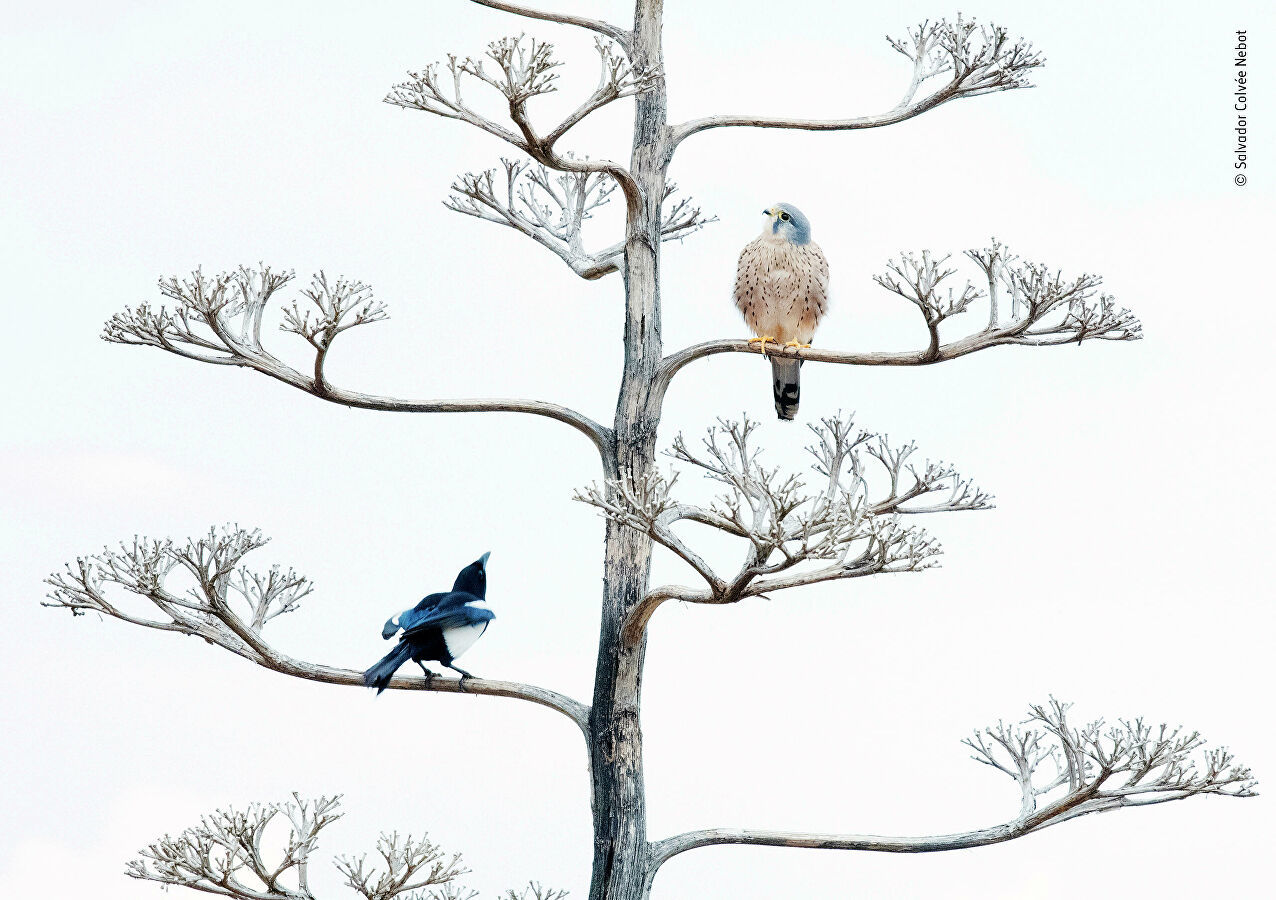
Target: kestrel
[(781, 288)]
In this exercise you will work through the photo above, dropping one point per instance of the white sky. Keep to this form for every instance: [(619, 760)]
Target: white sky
[(1125, 567)]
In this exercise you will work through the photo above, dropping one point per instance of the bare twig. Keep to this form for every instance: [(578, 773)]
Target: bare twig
[(977, 60), (218, 320), (223, 854), (228, 606), (1086, 770), (917, 281), (617, 79), (338, 307), (410, 866), (535, 891)]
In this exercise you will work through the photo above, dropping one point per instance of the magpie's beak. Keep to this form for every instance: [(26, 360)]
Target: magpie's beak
[(482, 560)]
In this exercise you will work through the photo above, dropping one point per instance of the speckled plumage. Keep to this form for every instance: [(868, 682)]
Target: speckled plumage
[(781, 289)]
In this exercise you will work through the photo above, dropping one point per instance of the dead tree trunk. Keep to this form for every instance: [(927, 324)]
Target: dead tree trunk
[(621, 851)]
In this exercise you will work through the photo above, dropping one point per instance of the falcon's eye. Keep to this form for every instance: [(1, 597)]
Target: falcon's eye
[(784, 216)]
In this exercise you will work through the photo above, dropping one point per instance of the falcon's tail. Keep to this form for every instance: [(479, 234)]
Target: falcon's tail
[(784, 378)]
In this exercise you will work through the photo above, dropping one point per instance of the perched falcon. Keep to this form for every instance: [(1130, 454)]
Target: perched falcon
[(781, 288)]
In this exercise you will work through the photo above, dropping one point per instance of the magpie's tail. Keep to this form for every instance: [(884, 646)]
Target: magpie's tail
[(784, 378), (380, 674)]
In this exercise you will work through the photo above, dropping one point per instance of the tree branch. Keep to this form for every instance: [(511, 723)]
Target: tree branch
[(229, 604), (786, 525), (1046, 310), (217, 855), (619, 35), (525, 70), (218, 320), (1093, 769), (552, 210), (224, 855), (410, 865), (979, 60)]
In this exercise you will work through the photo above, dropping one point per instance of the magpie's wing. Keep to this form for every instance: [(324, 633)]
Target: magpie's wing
[(411, 617), (451, 612), (430, 601)]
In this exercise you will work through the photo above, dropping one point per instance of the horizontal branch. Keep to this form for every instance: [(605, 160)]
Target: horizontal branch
[(1092, 769), (1045, 310), (892, 117), (598, 434), (671, 364), (978, 59), (575, 710), (229, 605), (663, 851), (219, 319), (674, 362), (619, 35)]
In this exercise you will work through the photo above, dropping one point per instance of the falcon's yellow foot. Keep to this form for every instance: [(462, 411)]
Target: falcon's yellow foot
[(762, 340), (798, 344)]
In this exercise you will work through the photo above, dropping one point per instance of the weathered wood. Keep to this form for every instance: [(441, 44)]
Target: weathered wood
[(621, 869)]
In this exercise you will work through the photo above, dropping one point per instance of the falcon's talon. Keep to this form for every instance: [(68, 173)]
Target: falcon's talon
[(797, 344), (762, 340)]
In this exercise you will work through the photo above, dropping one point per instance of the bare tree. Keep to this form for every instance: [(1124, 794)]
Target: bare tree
[(850, 520)]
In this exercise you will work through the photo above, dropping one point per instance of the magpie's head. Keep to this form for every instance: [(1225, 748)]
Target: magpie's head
[(473, 578)]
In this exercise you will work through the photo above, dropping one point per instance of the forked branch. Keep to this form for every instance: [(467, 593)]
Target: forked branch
[(977, 59), (1062, 772), (523, 69), (219, 319), (407, 867), (847, 524), (228, 605), (551, 209)]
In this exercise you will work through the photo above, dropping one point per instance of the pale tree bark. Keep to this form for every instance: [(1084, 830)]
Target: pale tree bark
[(849, 524)]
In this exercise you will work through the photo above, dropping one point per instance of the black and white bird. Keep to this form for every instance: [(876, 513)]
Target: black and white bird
[(439, 628)]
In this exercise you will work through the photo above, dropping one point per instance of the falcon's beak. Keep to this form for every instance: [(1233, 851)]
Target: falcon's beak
[(767, 212)]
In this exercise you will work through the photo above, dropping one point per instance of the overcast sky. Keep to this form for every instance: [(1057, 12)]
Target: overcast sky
[(1126, 566)]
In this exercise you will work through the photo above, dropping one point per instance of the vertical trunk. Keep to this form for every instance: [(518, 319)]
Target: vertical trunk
[(620, 870)]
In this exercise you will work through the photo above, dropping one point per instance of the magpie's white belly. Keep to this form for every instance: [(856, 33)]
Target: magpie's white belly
[(458, 640)]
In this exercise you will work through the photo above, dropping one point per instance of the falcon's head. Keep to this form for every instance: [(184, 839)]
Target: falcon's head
[(787, 221)]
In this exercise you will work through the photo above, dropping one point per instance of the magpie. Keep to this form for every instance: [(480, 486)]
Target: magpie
[(441, 627)]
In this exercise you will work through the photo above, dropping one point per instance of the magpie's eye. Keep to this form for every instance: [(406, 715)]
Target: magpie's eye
[(784, 216)]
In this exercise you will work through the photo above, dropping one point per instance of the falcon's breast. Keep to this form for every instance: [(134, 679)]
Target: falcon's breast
[(781, 288)]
